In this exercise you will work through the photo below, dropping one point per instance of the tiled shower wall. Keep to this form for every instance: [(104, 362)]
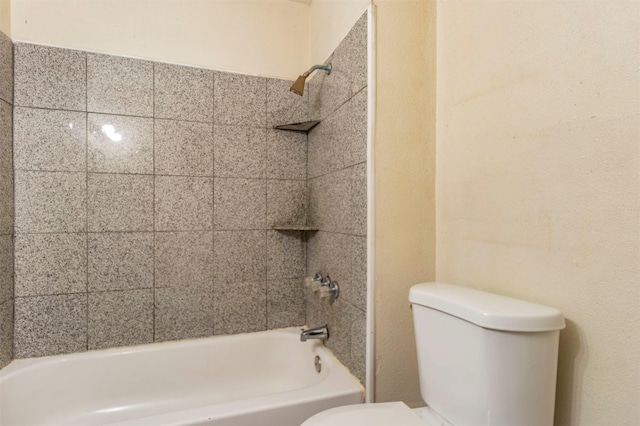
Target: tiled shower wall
[(144, 197), (338, 197), (6, 200)]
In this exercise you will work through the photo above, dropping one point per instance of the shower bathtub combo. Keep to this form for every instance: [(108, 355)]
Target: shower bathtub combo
[(265, 378)]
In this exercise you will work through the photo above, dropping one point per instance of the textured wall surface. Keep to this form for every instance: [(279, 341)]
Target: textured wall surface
[(145, 194), (338, 197), (266, 38), (404, 161), (538, 192), (6, 199), (329, 22)]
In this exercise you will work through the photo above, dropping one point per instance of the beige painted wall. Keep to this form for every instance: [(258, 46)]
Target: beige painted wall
[(538, 184), (404, 172), (5, 17), (265, 37), (329, 22)]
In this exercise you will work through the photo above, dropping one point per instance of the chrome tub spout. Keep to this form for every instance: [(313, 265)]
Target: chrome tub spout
[(321, 333)]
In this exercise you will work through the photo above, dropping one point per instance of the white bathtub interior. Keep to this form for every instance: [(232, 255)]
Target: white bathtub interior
[(265, 378)]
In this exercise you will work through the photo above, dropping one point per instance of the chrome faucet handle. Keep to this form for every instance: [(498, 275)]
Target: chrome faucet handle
[(326, 281), (318, 277)]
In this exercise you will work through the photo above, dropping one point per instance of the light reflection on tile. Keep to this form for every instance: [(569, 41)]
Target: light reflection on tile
[(49, 139), (120, 144)]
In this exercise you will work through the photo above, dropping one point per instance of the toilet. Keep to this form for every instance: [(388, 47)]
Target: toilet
[(483, 360)]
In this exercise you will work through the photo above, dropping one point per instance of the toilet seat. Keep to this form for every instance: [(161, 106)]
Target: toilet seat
[(378, 414)]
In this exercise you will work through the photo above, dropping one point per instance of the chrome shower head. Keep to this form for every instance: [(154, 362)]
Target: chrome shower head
[(298, 86)]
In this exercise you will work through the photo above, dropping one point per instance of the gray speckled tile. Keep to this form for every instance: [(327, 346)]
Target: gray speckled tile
[(356, 127), (50, 264), (284, 106), (184, 259), (356, 292), (330, 254), (50, 325), (183, 93), (49, 77), (7, 203), (120, 202), (6, 136), (285, 303), (239, 152), (318, 214), (50, 201), (239, 203), (240, 307), (239, 256), (332, 143), (240, 100), (183, 203), (183, 148), (330, 203), (6, 333), (339, 320), (120, 144), (6, 169), (183, 313), (359, 199), (286, 155), (117, 85), (327, 92), (6, 68), (50, 140), (6, 268), (286, 202), (120, 318), (285, 254), (358, 344), (120, 261)]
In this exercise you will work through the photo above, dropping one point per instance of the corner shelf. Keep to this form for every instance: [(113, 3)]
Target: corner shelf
[(302, 127)]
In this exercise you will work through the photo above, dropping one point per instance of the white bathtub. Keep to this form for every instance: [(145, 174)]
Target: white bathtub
[(265, 378)]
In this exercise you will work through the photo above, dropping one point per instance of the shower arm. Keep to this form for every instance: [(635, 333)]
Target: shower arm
[(326, 68)]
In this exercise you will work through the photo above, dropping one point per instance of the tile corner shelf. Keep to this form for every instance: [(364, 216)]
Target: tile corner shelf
[(302, 127), (288, 227)]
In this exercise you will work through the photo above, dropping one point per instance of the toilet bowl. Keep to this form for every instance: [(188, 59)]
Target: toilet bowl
[(483, 360), (380, 414)]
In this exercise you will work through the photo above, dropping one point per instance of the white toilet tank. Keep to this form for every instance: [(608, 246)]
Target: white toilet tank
[(485, 359)]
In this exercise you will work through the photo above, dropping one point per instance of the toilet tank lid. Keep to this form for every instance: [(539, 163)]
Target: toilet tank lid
[(487, 310)]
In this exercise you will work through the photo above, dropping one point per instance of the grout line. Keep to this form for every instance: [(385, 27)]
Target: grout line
[(86, 194), (184, 231), (350, 166), (13, 206), (155, 174), (153, 204), (149, 117), (213, 212), (266, 211)]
